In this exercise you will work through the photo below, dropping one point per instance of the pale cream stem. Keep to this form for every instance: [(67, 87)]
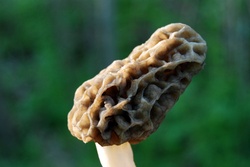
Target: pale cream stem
[(116, 155)]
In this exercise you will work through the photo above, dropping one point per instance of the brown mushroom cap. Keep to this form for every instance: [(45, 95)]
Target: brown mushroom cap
[(128, 100)]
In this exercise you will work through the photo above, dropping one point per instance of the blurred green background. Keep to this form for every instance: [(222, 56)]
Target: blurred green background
[(49, 47)]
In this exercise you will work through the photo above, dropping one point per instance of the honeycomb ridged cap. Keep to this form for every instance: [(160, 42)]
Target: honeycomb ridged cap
[(127, 101)]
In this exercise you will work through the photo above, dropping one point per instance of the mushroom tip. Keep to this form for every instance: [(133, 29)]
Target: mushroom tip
[(127, 101)]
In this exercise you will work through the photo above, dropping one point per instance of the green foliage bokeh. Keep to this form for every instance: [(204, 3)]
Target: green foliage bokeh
[(48, 48)]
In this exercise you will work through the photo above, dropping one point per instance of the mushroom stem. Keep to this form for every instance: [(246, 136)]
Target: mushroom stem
[(116, 155)]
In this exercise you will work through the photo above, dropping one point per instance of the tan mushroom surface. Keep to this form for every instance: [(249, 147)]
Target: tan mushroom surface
[(127, 101)]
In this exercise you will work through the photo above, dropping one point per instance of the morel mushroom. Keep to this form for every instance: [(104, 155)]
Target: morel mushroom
[(127, 101)]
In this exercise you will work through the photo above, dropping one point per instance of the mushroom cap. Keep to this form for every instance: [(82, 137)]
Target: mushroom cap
[(127, 101)]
